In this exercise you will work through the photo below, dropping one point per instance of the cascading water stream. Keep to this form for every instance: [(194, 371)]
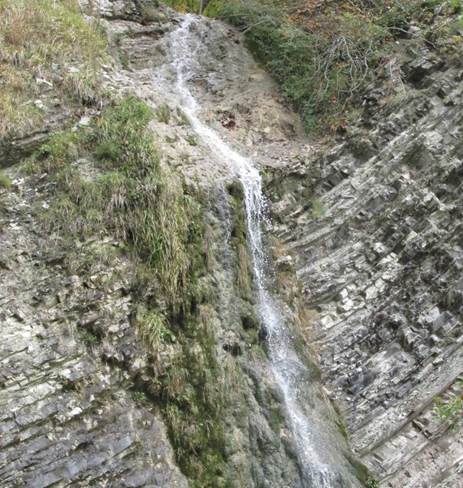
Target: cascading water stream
[(317, 467)]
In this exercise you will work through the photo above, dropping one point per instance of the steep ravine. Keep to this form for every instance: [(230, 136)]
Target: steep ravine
[(318, 459), (356, 272)]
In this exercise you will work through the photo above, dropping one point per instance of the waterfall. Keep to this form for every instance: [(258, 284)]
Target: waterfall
[(317, 466)]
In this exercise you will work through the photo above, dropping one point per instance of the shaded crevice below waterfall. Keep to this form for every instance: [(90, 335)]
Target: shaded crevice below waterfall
[(320, 464)]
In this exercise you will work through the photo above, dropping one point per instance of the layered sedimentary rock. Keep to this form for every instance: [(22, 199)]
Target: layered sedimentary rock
[(373, 226), (368, 251)]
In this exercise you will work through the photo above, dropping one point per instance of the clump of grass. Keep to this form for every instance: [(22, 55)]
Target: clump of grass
[(134, 199), (45, 45), (154, 330), (372, 483), (139, 396), (192, 140), (163, 113)]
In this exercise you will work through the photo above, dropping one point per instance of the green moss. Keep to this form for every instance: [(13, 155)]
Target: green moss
[(5, 182), (239, 243), (363, 473)]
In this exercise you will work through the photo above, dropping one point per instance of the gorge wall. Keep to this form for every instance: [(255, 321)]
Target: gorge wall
[(364, 233)]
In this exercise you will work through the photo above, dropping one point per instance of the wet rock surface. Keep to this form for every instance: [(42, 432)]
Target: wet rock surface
[(74, 374), (374, 229)]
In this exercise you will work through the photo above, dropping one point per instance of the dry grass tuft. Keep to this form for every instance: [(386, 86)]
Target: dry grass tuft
[(45, 46)]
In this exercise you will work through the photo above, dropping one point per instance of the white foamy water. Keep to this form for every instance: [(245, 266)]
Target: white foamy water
[(318, 471)]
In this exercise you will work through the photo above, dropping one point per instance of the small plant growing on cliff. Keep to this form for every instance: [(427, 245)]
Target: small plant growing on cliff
[(450, 411), (139, 396), (163, 113), (154, 330), (192, 140)]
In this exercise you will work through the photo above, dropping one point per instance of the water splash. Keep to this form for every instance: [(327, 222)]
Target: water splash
[(317, 467)]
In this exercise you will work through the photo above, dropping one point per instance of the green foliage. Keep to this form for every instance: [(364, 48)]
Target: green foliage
[(130, 196), (139, 396), (154, 330), (192, 140), (60, 150), (121, 138), (372, 483), (89, 338), (450, 411), (163, 113)]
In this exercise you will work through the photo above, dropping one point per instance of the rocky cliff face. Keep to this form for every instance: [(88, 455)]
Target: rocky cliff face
[(365, 235), (372, 224), (79, 384)]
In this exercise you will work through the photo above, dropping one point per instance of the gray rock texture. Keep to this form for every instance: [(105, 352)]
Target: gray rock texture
[(366, 236), (69, 408), (373, 226), (75, 376)]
